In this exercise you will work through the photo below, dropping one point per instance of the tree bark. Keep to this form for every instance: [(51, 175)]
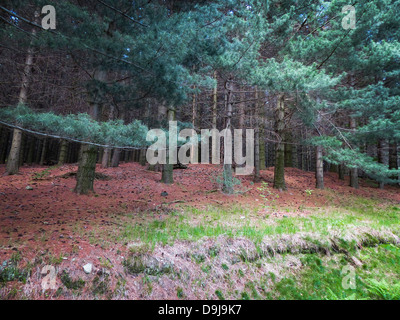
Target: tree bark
[(115, 158), (227, 175), (353, 172), (86, 170), (43, 153), (63, 152), (88, 154), (319, 168), (105, 160), (167, 174), (279, 172), (257, 139), (13, 160)]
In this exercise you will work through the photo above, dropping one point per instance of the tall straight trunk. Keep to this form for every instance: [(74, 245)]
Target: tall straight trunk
[(257, 139), (13, 160), (341, 171), (63, 152), (261, 137), (214, 110), (105, 160), (43, 153), (319, 168), (115, 158), (142, 160), (31, 150), (279, 172), (5, 135), (381, 159), (88, 153), (393, 158), (227, 174), (288, 150), (167, 174), (353, 172)]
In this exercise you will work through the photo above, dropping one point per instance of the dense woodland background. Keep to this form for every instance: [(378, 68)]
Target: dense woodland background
[(320, 97)]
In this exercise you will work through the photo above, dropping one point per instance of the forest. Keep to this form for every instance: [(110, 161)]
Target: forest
[(199, 150)]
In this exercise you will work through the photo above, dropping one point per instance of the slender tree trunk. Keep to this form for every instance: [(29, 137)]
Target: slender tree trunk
[(353, 172), (43, 154), (319, 168), (393, 158), (143, 157), (214, 110), (167, 175), (262, 135), (31, 150), (13, 160), (227, 175), (288, 150), (381, 159), (257, 139), (115, 158), (63, 152), (341, 171), (105, 160), (279, 172), (5, 135)]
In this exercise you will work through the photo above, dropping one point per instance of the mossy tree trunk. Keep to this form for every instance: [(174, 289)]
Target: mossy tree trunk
[(86, 170), (88, 153), (279, 172)]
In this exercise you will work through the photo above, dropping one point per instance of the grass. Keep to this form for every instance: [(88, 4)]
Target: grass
[(194, 224)]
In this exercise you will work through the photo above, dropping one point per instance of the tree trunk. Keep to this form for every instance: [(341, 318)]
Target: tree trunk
[(353, 172), (115, 158), (88, 154), (13, 158), (381, 159), (63, 152), (257, 140), (288, 150), (214, 111), (227, 175), (279, 172), (167, 175), (86, 170), (319, 168), (105, 160), (393, 158), (31, 150), (43, 153), (5, 135), (143, 157)]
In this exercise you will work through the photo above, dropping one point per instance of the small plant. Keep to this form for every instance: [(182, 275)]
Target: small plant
[(219, 295), (267, 195), (309, 192), (179, 293), (71, 284)]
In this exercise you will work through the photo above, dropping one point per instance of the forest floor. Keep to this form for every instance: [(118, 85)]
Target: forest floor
[(146, 240)]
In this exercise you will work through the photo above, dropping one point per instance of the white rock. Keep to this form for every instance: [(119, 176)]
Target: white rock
[(88, 268)]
